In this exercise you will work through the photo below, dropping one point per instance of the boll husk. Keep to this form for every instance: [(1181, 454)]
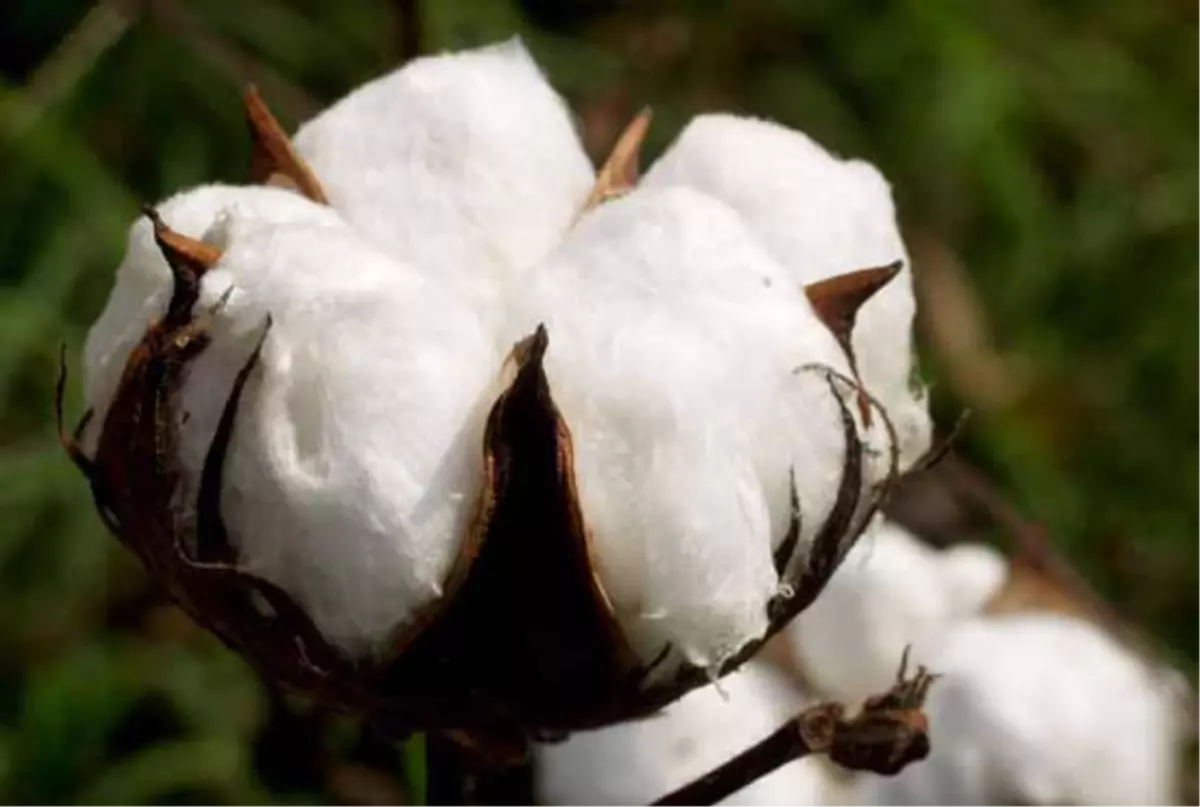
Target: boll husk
[(1041, 708), (307, 414), (634, 763)]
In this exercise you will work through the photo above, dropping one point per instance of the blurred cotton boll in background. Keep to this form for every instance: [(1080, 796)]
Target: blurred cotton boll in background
[(637, 762), (892, 591), (1044, 709)]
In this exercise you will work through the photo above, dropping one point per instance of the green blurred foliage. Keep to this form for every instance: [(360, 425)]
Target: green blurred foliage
[(1044, 152)]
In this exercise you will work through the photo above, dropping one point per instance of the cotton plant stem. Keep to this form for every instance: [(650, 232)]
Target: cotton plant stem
[(787, 743), (887, 734), (406, 15)]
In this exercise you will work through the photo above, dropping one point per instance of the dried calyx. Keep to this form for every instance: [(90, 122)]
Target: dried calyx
[(307, 423)]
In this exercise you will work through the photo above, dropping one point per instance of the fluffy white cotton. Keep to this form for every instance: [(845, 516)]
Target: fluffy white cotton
[(1042, 709), (673, 340), (891, 591), (464, 164), (143, 280), (356, 462), (819, 216), (637, 762)]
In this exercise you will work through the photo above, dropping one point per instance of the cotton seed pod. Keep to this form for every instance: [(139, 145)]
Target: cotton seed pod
[(314, 428), (1044, 709)]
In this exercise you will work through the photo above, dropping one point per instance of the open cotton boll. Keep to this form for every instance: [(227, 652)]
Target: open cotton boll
[(1042, 709), (673, 340), (355, 467), (143, 280), (820, 216), (637, 762), (466, 165), (891, 591)]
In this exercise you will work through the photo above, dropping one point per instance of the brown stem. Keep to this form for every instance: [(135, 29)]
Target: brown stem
[(888, 733), (407, 20), (789, 742)]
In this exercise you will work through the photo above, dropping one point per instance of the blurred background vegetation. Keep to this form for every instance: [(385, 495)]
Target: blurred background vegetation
[(1044, 158)]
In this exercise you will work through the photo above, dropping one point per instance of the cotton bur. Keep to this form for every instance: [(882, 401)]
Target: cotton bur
[(437, 423)]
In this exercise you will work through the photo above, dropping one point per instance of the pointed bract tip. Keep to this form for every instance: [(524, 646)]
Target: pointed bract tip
[(273, 160), (838, 299), (836, 302), (180, 251), (530, 350), (619, 174)]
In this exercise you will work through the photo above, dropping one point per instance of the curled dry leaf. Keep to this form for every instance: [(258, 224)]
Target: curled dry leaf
[(522, 642)]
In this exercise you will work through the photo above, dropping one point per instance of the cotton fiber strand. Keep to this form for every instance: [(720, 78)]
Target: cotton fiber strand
[(819, 216), (891, 591), (637, 762), (1042, 709), (466, 164), (673, 343)]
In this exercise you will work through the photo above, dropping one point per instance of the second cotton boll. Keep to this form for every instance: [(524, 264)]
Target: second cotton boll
[(635, 762), (892, 591)]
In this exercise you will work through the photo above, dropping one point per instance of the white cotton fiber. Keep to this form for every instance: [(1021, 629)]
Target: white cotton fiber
[(673, 340), (1042, 709), (355, 462), (464, 164), (143, 280), (355, 466), (891, 591), (637, 762), (819, 216)]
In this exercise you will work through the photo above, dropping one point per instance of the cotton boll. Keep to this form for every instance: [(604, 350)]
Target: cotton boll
[(891, 591), (637, 762), (971, 575), (355, 466), (1041, 709), (673, 341), (464, 164), (820, 217), (143, 281)]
